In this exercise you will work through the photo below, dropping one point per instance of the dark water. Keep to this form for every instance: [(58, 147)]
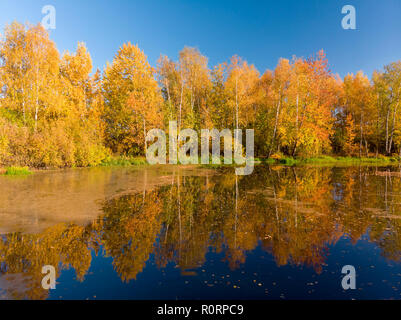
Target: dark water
[(280, 233)]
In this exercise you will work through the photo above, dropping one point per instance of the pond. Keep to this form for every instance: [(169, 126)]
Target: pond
[(189, 233)]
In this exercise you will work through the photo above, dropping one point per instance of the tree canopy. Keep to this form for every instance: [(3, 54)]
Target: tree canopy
[(56, 111)]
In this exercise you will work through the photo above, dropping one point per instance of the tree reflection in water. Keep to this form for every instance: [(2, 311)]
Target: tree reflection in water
[(293, 213)]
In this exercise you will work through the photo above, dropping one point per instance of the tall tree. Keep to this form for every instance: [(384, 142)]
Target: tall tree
[(131, 99)]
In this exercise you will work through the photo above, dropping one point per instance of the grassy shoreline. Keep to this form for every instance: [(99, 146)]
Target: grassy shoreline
[(123, 161), (126, 161), (15, 171), (321, 160)]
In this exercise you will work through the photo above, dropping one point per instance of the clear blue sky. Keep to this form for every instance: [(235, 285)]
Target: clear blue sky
[(259, 31)]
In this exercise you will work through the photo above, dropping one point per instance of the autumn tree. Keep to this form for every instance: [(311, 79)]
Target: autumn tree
[(358, 102), (55, 111), (185, 85), (218, 106), (240, 85), (392, 77), (280, 85), (131, 100), (30, 73), (47, 102)]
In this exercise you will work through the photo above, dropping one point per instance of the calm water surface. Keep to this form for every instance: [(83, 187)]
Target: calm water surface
[(168, 233)]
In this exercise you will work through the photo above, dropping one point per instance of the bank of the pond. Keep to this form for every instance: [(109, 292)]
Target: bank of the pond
[(125, 161), (120, 161), (15, 171), (320, 161), (328, 160)]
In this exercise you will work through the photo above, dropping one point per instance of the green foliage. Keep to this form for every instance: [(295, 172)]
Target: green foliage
[(123, 161), (335, 160), (288, 161), (17, 171)]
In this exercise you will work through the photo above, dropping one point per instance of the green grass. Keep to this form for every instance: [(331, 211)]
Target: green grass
[(123, 161), (289, 161), (17, 171), (256, 161), (328, 159)]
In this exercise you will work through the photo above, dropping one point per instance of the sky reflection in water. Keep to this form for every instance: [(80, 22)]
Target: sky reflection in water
[(280, 233)]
